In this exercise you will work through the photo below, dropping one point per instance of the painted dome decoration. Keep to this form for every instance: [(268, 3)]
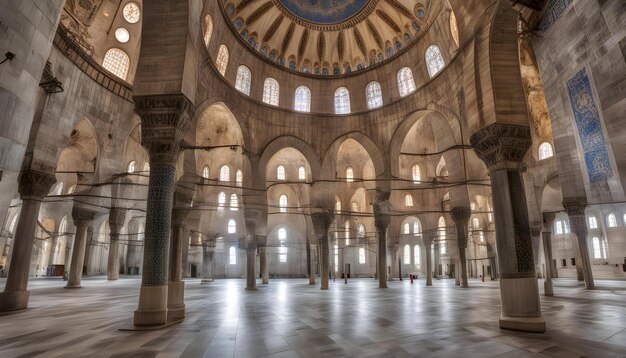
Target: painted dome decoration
[(328, 37)]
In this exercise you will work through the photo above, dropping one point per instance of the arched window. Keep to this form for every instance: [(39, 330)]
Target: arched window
[(406, 229), (408, 200), (239, 178), (271, 91), (559, 227), (454, 29), (417, 228), (360, 231), (221, 62), (545, 151), (374, 95), (131, 13), (354, 207), (611, 220), (406, 83), (442, 235), (624, 219), (342, 101), (57, 189), (232, 255), (482, 236), (225, 173), (117, 62), (361, 256), (407, 255), (434, 60), (208, 30), (597, 251), (232, 226), (205, 172), (301, 173), (416, 172), (337, 205), (72, 189), (132, 167), (242, 83), (280, 173), (475, 223), (221, 201), (416, 255), (12, 225), (302, 102), (349, 175), (282, 203), (282, 249), (593, 222), (146, 167), (346, 228), (234, 202)]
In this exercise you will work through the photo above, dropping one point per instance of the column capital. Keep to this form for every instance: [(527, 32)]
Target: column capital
[(502, 146), (179, 216), (461, 214), (575, 206), (535, 230), (428, 237), (117, 217), (548, 221), (164, 121), (33, 184), (321, 222), (82, 216), (382, 214)]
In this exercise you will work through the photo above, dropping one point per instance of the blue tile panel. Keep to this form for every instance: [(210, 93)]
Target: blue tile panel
[(589, 127), (324, 11), (552, 12)]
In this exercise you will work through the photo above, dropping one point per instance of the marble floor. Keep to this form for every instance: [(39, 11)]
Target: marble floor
[(289, 318)]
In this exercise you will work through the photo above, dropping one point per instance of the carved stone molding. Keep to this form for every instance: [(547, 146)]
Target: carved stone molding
[(502, 146), (33, 184), (575, 206), (164, 121), (82, 216)]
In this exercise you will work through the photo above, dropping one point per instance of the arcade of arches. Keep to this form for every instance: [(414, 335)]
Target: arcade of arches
[(382, 151)]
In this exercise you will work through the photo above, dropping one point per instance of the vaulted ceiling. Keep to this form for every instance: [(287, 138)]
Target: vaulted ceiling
[(327, 37)]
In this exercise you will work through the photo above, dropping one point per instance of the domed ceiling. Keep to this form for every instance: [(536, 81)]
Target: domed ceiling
[(328, 37)]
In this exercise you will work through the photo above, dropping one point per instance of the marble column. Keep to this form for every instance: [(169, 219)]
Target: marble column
[(186, 243), (461, 216), (493, 262), (322, 221), (251, 265), (164, 120), (382, 210), (576, 212), (393, 253), (175, 284), (33, 187), (208, 252), (310, 266), (428, 245), (117, 217), (262, 248), (535, 233), (83, 218), (548, 222), (502, 148), (437, 244)]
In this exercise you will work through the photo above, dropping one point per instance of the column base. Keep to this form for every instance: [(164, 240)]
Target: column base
[(251, 288), (73, 285), (11, 301), (206, 280), (265, 281), (176, 301), (152, 310), (524, 324)]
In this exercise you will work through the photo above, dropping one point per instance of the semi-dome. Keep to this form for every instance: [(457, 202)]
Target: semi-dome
[(328, 37)]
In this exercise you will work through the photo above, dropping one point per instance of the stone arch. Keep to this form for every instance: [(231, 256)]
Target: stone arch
[(329, 163), (78, 162), (282, 142)]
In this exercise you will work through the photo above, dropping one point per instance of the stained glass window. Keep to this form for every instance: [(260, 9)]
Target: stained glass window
[(545, 151), (434, 60), (271, 91), (416, 172), (232, 228), (234, 202), (454, 30), (374, 95), (301, 173), (408, 200), (132, 166), (349, 175), (221, 201), (208, 30), (406, 83), (280, 172), (407, 255), (221, 62), (117, 62), (232, 252), (611, 220), (282, 203), (205, 172), (225, 173), (342, 101), (242, 83), (131, 13), (303, 99)]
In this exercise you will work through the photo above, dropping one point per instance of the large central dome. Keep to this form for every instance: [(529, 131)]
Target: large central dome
[(324, 12), (328, 37)]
